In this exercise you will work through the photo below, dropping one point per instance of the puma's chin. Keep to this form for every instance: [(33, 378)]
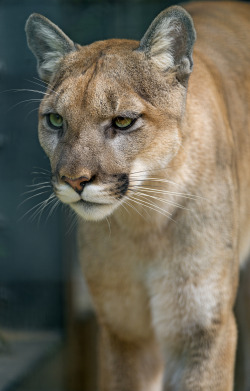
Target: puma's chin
[(93, 211)]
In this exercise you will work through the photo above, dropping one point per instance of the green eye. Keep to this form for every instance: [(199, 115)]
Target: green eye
[(55, 120), (122, 122)]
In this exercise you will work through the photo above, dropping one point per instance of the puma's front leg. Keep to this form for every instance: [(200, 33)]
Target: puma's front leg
[(192, 315), (129, 365), (208, 360)]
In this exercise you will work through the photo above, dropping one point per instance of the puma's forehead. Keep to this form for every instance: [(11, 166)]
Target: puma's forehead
[(106, 77), (111, 57), (105, 50)]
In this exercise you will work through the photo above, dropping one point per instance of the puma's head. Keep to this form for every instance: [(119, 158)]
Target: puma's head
[(112, 110)]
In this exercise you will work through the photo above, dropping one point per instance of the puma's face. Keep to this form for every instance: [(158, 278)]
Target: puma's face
[(101, 135), (110, 115)]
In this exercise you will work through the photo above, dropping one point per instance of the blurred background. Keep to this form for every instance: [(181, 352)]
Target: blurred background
[(47, 328)]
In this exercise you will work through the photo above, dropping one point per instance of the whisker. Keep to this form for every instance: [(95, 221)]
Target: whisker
[(28, 90), (32, 100), (161, 180), (151, 206), (30, 112), (122, 204), (154, 178), (147, 205), (37, 83), (39, 212), (184, 195), (33, 196), (53, 208), (41, 208), (108, 226), (42, 169), (146, 171), (74, 219), (161, 200), (36, 189), (47, 86), (173, 183), (41, 81), (126, 202), (37, 205), (73, 225), (40, 173), (39, 184), (135, 209), (45, 176), (39, 178)]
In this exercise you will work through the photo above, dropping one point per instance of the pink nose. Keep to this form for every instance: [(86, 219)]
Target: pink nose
[(76, 183)]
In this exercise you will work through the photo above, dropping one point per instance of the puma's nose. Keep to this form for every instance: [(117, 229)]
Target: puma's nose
[(76, 183)]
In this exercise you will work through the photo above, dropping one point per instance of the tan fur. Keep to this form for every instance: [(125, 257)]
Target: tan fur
[(162, 266)]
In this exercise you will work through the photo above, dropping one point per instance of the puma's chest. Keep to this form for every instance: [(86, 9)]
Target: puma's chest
[(139, 287)]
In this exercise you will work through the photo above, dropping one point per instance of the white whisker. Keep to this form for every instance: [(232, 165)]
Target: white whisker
[(161, 180), (160, 191), (74, 220), (43, 83), (36, 189), (24, 101), (108, 226), (33, 196), (28, 90), (151, 206), (124, 207), (46, 86), (53, 208), (41, 173), (134, 208), (36, 206), (146, 171), (38, 184), (42, 169), (161, 200), (41, 208), (31, 111)]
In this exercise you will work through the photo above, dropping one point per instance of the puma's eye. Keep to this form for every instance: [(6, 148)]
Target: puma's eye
[(55, 120), (122, 122)]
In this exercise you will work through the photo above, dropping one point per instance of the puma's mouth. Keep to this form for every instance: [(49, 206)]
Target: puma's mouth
[(90, 204), (93, 210)]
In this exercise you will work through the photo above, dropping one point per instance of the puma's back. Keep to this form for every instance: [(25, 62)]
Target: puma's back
[(223, 50)]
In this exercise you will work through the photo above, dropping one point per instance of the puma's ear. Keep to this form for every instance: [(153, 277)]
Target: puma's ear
[(48, 43), (169, 41)]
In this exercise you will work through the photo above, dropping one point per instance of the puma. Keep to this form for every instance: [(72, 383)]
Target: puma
[(149, 143)]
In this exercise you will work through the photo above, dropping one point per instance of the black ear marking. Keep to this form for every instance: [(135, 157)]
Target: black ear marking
[(169, 41), (48, 43)]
